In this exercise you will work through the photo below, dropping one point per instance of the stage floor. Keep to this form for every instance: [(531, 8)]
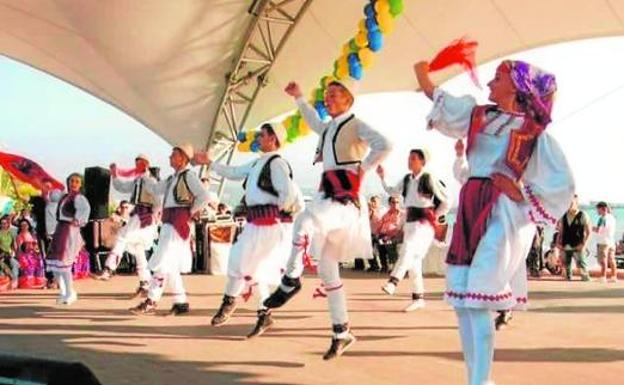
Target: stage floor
[(573, 334)]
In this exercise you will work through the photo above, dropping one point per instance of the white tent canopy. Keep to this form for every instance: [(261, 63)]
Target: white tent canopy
[(166, 62)]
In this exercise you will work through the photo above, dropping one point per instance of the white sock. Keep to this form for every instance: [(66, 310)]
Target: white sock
[(465, 334)]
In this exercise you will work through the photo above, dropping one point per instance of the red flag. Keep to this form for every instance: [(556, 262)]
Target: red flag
[(27, 171), (460, 51)]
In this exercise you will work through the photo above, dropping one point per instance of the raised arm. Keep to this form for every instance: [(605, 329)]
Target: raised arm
[(390, 190), (307, 111)]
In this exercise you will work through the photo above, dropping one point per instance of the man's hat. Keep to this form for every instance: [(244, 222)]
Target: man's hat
[(186, 149), (143, 157)]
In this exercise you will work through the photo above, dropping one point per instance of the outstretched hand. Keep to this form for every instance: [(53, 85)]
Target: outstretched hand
[(380, 171), (293, 90), (201, 158)]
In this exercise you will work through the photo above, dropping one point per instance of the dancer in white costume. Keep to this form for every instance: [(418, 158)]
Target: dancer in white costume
[(138, 234), (258, 258), (426, 204), (183, 198), (335, 223), (72, 213), (518, 176)]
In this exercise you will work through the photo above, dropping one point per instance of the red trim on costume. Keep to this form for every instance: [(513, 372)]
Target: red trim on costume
[(319, 292), (263, 215), (479, 296), (539, 208), (246, 295), (304, 245)]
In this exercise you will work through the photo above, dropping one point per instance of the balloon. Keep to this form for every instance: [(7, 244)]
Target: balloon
[(369, 10), (243, 147), (371, 25), (319, 94), (353, 59), (361, 40), (287, 122), (304, 129), (241, 137), (362, 26), (346, 49), (355, 67), (353, 46), (295, 122), (386, 22), (366, 57), (375, 40), (255, 147), (396, 7), (382, 6), (326, 80), (321, 109)]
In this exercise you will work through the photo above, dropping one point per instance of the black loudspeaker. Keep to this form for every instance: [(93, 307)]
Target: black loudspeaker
[(155, 171), (28, 370), (96, 188), (38, 212)]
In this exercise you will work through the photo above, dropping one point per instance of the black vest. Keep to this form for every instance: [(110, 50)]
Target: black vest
[(572, 234), (425, 187), (265, 183)]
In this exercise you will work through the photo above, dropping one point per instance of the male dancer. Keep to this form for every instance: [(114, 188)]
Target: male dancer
[(140, 229), (259, 255), (184, 197), (336, 221), (426, 203)]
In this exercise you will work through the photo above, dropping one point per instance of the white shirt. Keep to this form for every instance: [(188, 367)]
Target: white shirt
[(166, 188), (380, 146), (606, 230), (132, 185), (415, 199), (286, 189)]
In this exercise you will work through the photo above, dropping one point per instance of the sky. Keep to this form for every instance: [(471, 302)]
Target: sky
[(65, 129)]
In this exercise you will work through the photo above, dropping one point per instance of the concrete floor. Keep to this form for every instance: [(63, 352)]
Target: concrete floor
[(573, 334)]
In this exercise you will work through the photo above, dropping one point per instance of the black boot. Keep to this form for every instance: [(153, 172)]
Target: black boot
[(179, 309), (280, 296), (146, 307), (264, 322), (141, 291), (225, 311), (339, 345), (503, 319)]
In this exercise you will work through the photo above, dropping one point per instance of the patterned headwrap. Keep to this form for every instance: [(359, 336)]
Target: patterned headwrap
[(534, 88)]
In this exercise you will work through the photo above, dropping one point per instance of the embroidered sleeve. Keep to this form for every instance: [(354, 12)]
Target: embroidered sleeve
[(548, 182), (450, 114)]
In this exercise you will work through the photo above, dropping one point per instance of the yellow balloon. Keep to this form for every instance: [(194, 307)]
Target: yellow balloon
[(362, 25), (367, 57), (304, 129), (386, 23), (287, 122), (244, 147), (382, 6), (361, 39), (346, 49), (342, 72), (328, 79)]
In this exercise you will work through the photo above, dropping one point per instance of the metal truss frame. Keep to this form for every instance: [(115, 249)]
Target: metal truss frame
[(272, 24)]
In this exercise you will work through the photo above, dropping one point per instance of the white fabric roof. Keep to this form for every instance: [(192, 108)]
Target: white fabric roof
[(164, 62)]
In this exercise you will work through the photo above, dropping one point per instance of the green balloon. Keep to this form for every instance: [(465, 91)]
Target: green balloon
[(319, 94), (352, 46), (396, 7)]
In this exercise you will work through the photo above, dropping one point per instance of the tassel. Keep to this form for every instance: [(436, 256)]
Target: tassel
[(460, 51)]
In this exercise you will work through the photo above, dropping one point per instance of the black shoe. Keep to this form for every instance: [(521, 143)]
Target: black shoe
[(264, 322), (225, 311), (503, 319), (141, 291), (279, 296), (339, 346), (146, 307), (179, 309)]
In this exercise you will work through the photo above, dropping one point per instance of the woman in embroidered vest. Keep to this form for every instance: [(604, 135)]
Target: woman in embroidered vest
[(72, 213), (518, 176)]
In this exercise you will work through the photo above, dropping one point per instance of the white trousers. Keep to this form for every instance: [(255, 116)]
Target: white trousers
[(66, 283), (417, 240), (235, 287), (131, 232), (173, 280)]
